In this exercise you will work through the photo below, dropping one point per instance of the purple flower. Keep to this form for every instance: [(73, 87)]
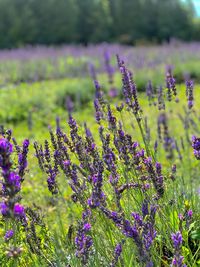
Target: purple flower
[(98, 93), (8, 235), (83, 241), (145, 208), (66, 163), (174, 168), (5, 145), (111, 119), (156, 146), (177, 240), (51, 181), (137, 218), (87, 227), (117, 253), (86, 214), (189, 93), (98, 109), (3, 208), (150, 264), (118, 249), (196, 146), (129, 88), (195, 142), (161, 102), (177, 243), (181, 217), (158, 167), (14, 180), (178, 262), (113, 92), (170, 83), (190, 213), (19, 210)]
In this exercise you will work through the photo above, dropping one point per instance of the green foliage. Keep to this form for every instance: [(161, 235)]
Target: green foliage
[(69, 21)]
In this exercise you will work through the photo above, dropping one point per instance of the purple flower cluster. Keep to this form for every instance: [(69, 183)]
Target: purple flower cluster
[(170, 84), (45, 162), (8, 235), (98, 92), (196, 146), (98, 109), (19, 210), (83, 240), (129, 88), (115, 164), (22, 158), (142, 231), (11, 184), (189, 93), (177, 244), (117, 254), (161, 102), (156, 176)]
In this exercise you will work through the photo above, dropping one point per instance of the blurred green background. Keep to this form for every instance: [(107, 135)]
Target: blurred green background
[(24, 22)]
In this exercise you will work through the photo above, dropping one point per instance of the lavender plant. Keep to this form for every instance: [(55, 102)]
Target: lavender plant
[(119, 190), (120, 168)]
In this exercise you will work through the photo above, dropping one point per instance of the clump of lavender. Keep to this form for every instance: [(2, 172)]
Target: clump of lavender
[(10, 208), (12, 180), (83, 240), (170, 84), (99, 112), (48, 163), (155, 174), (177, 244), (196, 146), (22, 158), (117, 254), (111, 119), (173, 172), (186, 216), (118, 165), (129, 88), (161, 102), (189, 93), (8, 235), (98, 91), (142, 231)]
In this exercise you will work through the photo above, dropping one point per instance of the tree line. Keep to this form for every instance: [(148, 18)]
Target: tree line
[(91, 21)]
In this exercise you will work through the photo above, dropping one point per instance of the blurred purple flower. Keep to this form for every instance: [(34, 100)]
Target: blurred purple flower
[(8, 235), (3, 208), (19, 210)]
